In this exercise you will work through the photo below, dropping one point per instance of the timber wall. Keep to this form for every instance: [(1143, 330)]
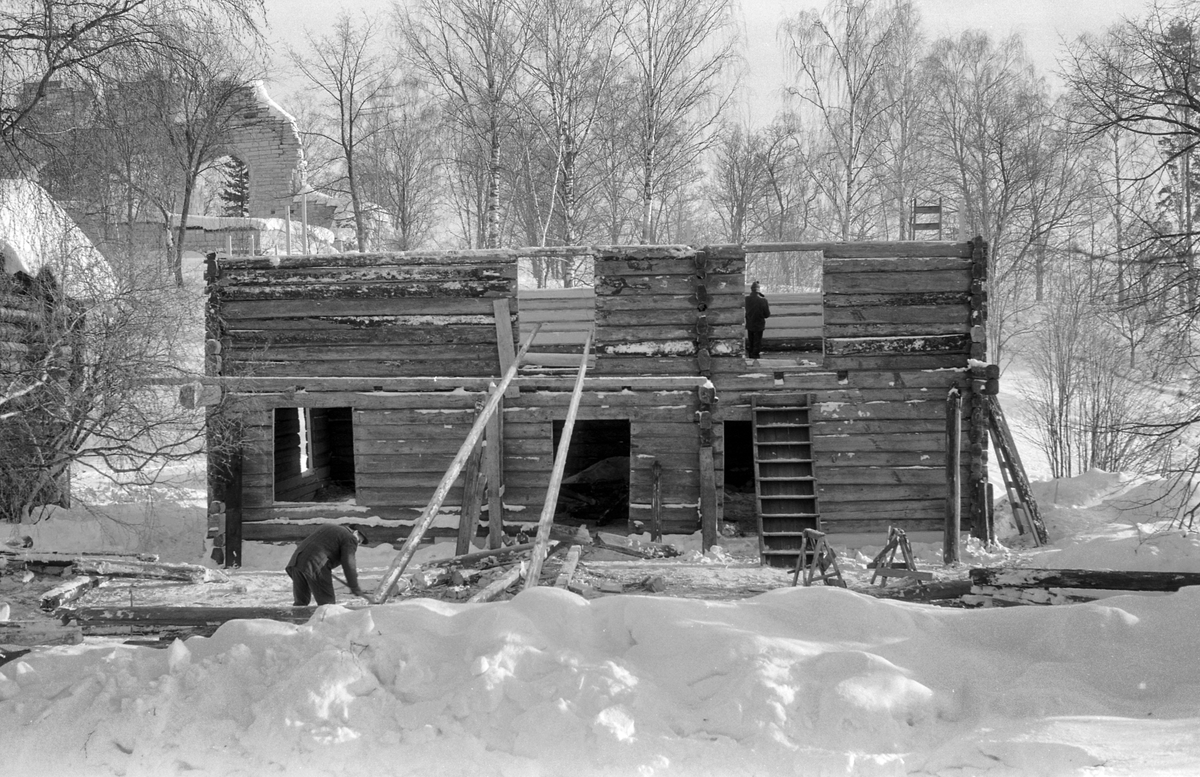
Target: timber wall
[(900, 323), (362, 314)]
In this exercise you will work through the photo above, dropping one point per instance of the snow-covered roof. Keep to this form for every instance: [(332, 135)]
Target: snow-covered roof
[(36, 234)]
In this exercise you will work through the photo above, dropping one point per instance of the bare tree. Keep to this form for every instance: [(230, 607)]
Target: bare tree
[(354, 85), (679, 52), (841, 59), (475, 51), (69, 42)]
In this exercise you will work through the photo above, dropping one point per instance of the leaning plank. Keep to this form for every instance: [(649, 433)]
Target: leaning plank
[(568, 568), (556, 475), (42, 632), (189, 572), (498, 586), (1083, 578), (396, 568), (466, 559), (68, 592)]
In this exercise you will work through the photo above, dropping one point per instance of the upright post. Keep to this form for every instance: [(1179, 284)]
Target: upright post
[(556, 475), (953, 477), (708, 478)]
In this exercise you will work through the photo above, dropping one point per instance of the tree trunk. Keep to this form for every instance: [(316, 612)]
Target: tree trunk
[(647, 195), (493, 187)]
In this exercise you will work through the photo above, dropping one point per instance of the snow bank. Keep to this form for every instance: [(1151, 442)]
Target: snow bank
[(796, 681)]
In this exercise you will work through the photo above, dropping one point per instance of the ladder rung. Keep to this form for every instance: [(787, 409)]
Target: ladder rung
[(790, 515), (785, 426), (796, 479), (783, 461), (788, 496), (785, 442)]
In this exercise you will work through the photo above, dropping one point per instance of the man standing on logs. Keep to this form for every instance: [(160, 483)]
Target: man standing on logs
[(311, 566), (757, 313)]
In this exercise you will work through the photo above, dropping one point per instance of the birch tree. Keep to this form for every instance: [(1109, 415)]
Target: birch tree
[(474, 50), (353, 83), (679, 52)]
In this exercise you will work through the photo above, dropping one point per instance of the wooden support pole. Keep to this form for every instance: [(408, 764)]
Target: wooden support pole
[(556, 475), (404, 556), (472, 498), (502, 310), (953, 531), (656, 503), (494, 468), (708, 477)]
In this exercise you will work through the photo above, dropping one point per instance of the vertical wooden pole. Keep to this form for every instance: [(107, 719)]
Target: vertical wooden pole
[(656, 504), (953, 477), (502, 310), (556, 475), (494, 467), (472, 498), (708, 476)]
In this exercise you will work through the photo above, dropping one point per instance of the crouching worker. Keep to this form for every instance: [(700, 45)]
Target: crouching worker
[(311, 566)]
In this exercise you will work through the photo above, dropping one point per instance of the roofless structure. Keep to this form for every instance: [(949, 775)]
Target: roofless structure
[(353, 380)]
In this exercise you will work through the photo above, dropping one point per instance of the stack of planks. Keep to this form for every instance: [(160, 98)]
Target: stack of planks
[(362, 314), (796, 322)]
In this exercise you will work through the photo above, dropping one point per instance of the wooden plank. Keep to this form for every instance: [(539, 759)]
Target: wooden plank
[(313, 334), (478, 352), (504, 339), (485, 256), (494, 468), (193, 573), (918, 315), (897, 282), (501, 584), (932, 510), (351, 367), (847, 493), (377, 274), (843, 331), (568, 568), (556, 475)]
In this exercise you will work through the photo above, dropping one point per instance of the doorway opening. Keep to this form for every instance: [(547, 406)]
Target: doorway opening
[(595, 487)]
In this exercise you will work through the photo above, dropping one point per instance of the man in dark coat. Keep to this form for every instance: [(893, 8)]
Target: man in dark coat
[(311, 566), (757, 313)]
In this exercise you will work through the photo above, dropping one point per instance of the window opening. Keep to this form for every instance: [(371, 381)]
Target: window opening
[(314, 454)]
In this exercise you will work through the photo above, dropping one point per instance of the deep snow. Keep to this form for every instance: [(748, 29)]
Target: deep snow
[(794, 681)]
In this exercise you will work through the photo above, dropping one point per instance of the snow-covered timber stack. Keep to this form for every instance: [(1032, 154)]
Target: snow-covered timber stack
[(356, 378)]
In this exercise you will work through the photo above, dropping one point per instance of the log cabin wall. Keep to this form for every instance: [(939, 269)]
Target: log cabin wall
[(901, 321), (319, 322)]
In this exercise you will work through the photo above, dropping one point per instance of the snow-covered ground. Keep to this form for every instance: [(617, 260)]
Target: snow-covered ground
[(793, 681)]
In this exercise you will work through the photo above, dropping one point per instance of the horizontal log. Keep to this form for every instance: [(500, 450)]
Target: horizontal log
[(380, 273), (487, 256), (923, 315), (885, 250), (932, 510), (911, 263), (832, 412), (348, 368), (413, 306), (29, 633), (896, 298), (910, 345), (88, 617), (842, 492), (894, 362), (315, 335), (1084, 578), (145, 569), (367, 291), (68, 592), (898, 282)]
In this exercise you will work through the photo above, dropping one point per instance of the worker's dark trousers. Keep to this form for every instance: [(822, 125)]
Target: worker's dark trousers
[(308, 582), (754, 344)]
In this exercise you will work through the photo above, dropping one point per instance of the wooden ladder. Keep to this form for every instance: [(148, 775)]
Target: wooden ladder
[(785, 486), (1020, 495)]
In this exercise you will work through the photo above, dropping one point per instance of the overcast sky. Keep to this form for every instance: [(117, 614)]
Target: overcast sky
[(1043, 23)]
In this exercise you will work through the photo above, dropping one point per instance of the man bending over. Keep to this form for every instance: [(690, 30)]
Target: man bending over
[(311, 566)]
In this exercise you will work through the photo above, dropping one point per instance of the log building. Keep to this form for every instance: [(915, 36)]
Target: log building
[(349, 382)]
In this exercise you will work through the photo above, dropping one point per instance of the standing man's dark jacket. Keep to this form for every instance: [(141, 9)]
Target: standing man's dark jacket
[(757, 313), (312, 564)]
